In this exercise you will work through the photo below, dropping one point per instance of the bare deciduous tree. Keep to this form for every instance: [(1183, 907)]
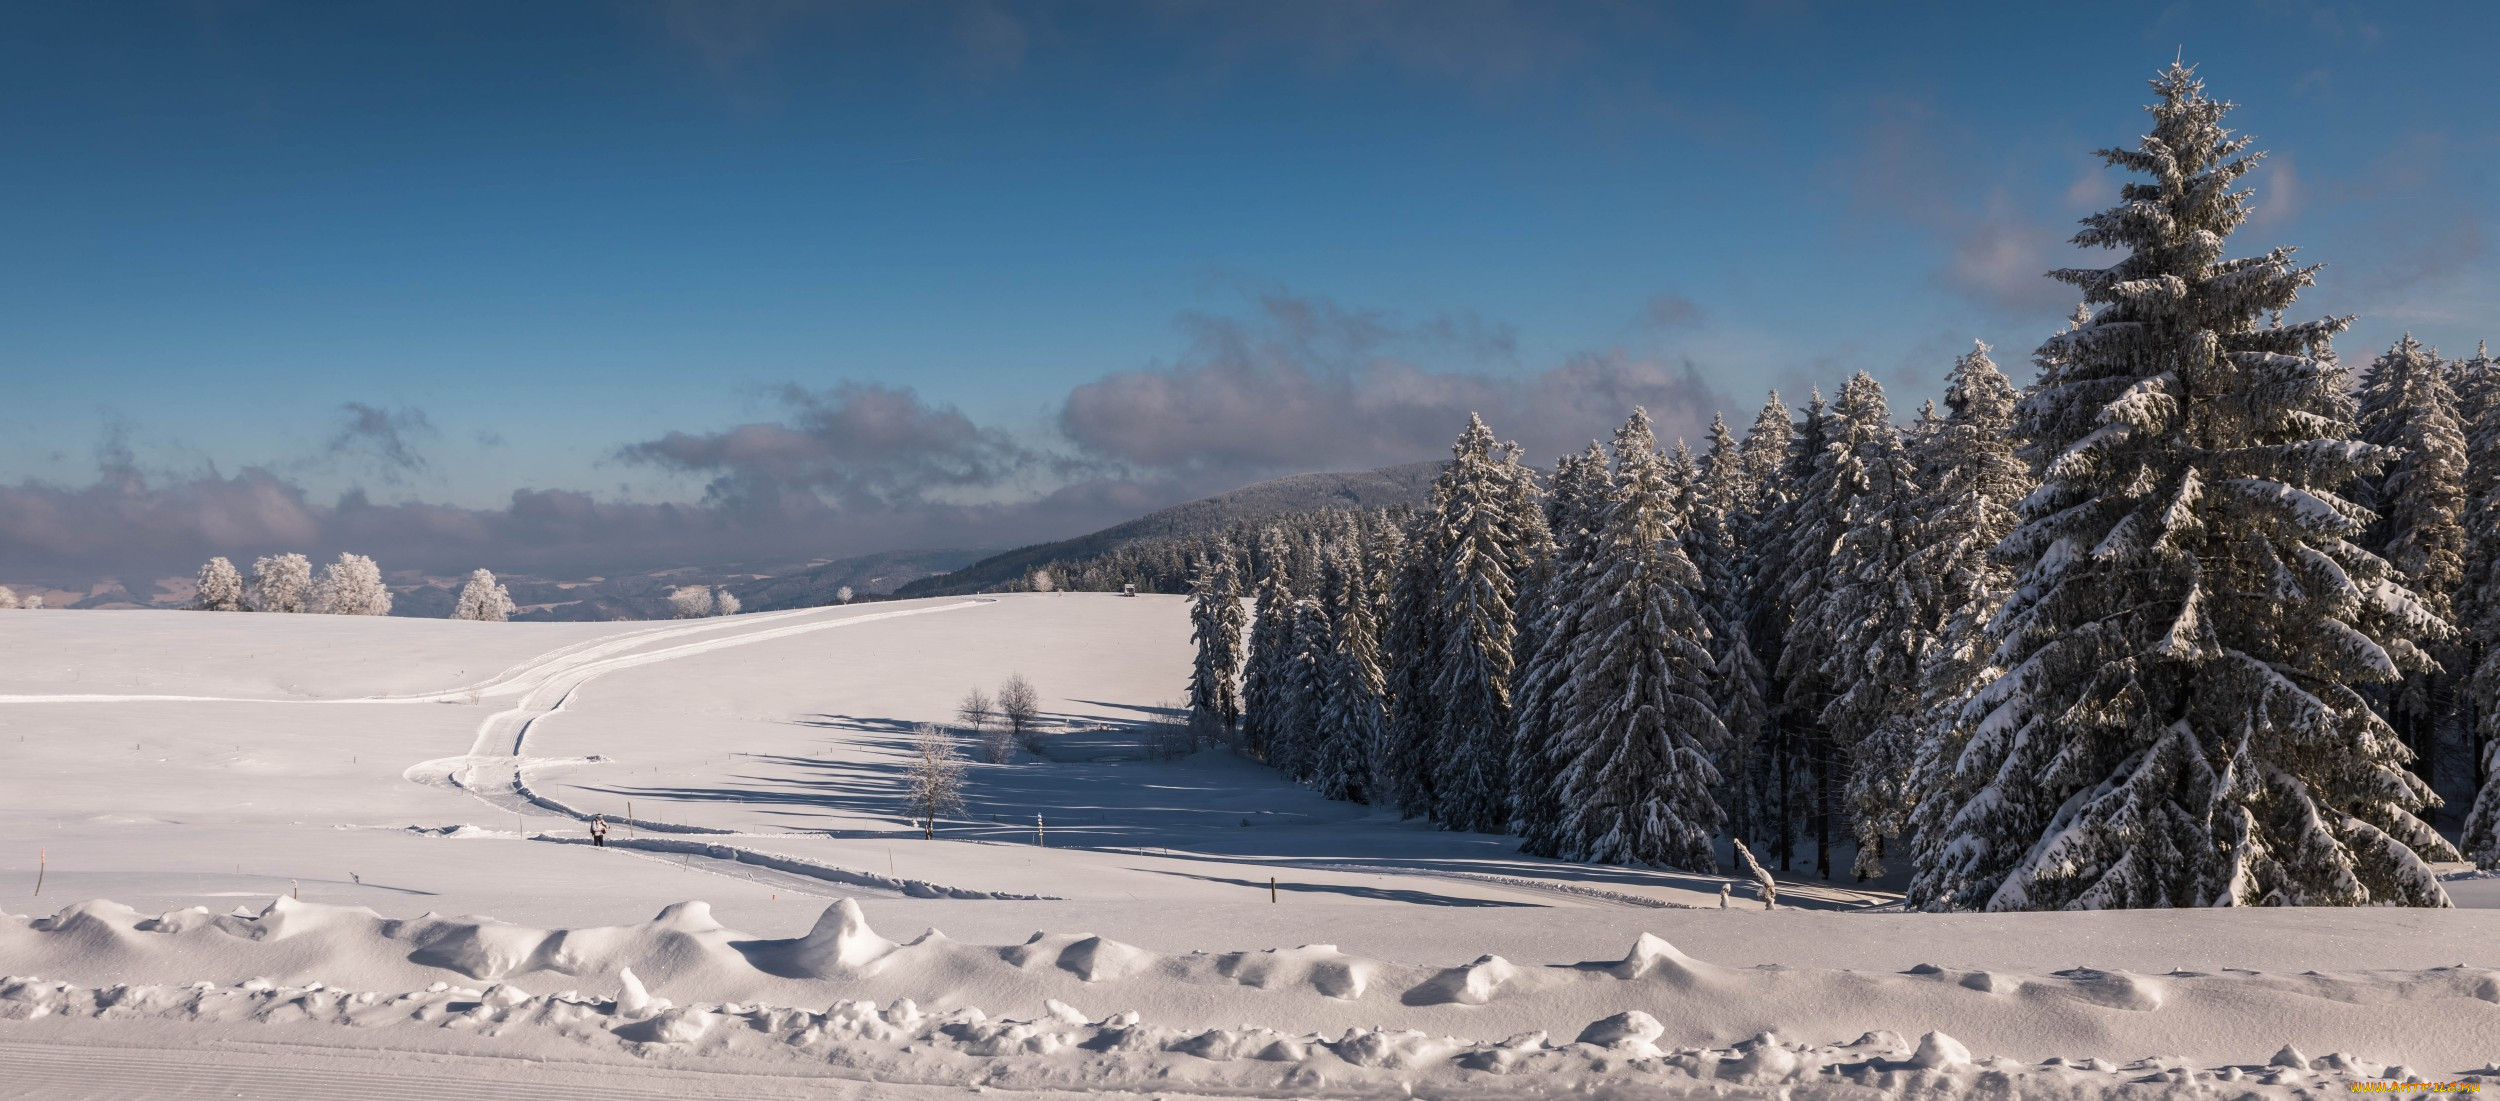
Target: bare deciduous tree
[(979, 718), (1021, 707)]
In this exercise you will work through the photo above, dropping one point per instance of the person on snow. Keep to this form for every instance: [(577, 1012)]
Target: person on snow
[(599, 830)]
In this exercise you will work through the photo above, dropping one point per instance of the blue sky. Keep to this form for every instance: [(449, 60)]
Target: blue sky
[(848, 276)]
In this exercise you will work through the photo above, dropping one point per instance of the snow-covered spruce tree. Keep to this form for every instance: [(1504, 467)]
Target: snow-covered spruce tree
[(483, 599), (1216, 625), (282, 583), (1295, 750), (1637, 714), (220, 588), (1265, 679), (1810, 526), (1354, 712), (2478, 609), (1971, 476), (1719, 519), (1783, 560), (2408, 407), (1409, 633), (1492, 526), (352, 586), (1871, 621), (1573, 513), (2180, 722)]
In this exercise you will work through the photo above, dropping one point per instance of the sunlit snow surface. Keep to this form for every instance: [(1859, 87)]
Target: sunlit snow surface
[(177, 760)]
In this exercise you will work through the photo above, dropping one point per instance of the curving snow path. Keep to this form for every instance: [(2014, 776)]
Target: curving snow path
[(493, 770)]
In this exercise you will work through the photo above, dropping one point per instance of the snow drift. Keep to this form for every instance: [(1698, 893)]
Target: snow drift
[(683, 986)]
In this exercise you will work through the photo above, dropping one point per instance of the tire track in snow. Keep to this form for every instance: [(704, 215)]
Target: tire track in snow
[(478, 771)]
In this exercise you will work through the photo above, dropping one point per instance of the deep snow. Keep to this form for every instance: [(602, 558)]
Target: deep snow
[(368, 763)]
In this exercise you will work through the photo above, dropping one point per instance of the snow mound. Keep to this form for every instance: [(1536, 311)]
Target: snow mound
[(1309, 1020)]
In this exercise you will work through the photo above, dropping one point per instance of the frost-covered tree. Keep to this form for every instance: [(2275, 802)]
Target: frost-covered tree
[(282, 583), (2408, 408), (1721, 516), (2478, 600), (1574, 513), (1791, 543), (483, 599), (1353, 709), (1020, 708), (220, 588), (2182, 721), (1971, 477), (1868, 623), (1294, 749), (1638, 723), (1216, 626), (691, 602), (1487, 514), (1410, 635), (842, 595), (352, 586), (1826, 463), (10, 601), (934, 782), (725, 602), (1266, 670)]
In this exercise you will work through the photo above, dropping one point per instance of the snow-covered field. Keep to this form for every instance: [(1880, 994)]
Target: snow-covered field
[(324, 880)]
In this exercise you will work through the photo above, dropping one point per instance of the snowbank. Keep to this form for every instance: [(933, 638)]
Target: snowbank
[(935, 1009)]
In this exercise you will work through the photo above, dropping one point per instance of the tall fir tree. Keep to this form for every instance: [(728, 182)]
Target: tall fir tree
[(1788, 559), (1409, 638), (2478, 387), (1637, 719), (2408, 407), (2182, 721), (1972, 476), (1267, 673), (1216, 626), (1550, 625), (1810, 526), (1868, 623), (1490, 530), (1721, 518), (1354, 714)]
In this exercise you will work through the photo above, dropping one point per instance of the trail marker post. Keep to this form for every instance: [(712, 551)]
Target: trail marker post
[(1271, 890), (41, 860)]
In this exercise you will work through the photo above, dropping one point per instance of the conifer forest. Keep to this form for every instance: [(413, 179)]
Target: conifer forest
[(2187, 612)]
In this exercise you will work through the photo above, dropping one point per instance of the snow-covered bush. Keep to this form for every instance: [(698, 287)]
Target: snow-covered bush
[(282, 583), (693, 602), (352, 586), (483, 598), (220, 588)]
